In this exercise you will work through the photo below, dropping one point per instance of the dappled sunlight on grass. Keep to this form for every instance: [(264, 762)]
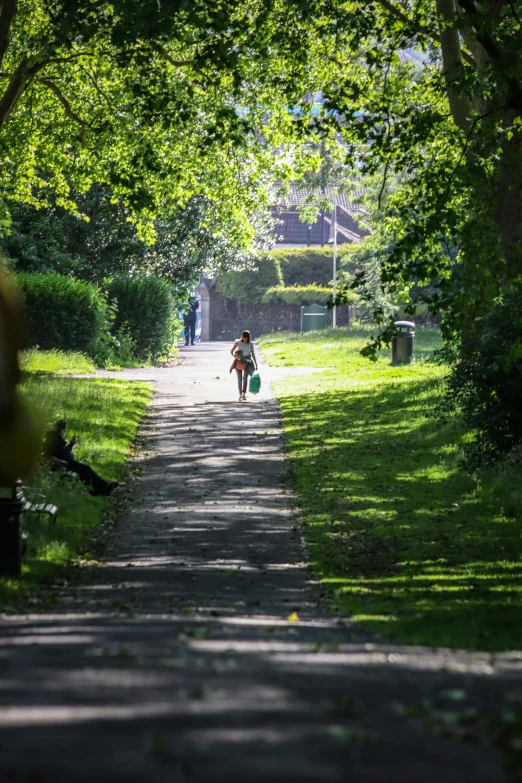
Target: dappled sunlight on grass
[(410, 546), (104, 414)]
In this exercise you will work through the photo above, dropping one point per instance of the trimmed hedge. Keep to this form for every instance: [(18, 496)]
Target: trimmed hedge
[(249, 285), (62, 313), (298, 294), (144, 310), (302, 295)]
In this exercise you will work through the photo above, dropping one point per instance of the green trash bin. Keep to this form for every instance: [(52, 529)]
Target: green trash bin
[(313, 317), (402, 342)]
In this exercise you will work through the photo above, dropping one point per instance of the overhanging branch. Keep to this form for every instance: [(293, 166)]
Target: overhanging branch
[(384, 179), (70, 57), (65, 103), (98, 89), (172, 61), (464, 153)]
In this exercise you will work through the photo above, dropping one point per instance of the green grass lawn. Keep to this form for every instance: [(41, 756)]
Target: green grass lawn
[(56, 362), (105, 415), (409, 546)]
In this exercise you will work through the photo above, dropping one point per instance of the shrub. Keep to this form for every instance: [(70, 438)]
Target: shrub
[(486, 383), (63, 313), (144, 314), (249, 285)]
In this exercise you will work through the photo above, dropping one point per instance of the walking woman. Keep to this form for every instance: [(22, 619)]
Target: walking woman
[(244, 362)]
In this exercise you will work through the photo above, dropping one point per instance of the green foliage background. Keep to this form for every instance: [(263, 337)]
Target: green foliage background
[(309, 265), (305, 266), (250, 285), (290, 276), (102, 241), (486, 383)]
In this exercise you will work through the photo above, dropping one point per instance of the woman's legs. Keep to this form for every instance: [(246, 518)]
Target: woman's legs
[(239, 381), (242, 378)]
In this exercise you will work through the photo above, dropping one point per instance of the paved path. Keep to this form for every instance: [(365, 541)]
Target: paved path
[(173, 660)]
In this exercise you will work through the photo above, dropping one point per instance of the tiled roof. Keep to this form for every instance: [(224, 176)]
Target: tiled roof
[(292, 231), (297, 197)]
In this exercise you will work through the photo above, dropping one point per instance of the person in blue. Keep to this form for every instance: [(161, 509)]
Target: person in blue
[(189, 320)]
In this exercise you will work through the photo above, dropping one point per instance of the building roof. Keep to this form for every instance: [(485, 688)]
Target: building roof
[(298, 196), (293, 232)]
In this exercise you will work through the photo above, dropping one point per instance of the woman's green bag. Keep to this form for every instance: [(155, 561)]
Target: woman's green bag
[(255, 383)]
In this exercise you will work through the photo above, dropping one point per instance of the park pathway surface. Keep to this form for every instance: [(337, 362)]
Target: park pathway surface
[(173, 660)]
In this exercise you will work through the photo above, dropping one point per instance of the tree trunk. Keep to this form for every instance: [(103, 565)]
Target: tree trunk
[(508, 209), (8, 9), (460, 104), (507, 103)]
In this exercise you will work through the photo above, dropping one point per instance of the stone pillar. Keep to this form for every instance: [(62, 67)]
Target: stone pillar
[(204, 298)]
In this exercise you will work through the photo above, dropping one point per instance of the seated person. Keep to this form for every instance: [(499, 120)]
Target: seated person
[(61, 456)]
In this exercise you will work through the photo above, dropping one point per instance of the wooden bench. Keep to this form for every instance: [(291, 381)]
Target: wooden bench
[(41, 508), (54, 469), (36, 508)]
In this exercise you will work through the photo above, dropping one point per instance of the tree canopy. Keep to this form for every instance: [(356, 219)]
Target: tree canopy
[(161, 101), (166, 100)]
